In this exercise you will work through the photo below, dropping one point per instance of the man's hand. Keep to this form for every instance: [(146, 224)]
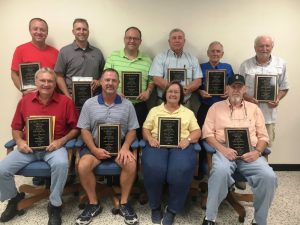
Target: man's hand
[(95, 84), (273, 104), (230, 154), (101, 154), (27, 91), (184, 143), (23, 147), (204, 94), (144, 96), (125, 156), (56, 144), (187, 90), (250, 156)]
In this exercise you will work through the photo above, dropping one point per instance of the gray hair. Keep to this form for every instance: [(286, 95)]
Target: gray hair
[(215, 43), (45, 70), (257, 39), (176, 30)]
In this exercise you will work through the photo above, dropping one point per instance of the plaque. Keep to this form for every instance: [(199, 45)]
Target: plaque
[(178, 75), (40, 131), (109, 137), (27, 75), (238, 139), (266, 88), (131, 84), (169, 132), (215, 82), (81, 91)]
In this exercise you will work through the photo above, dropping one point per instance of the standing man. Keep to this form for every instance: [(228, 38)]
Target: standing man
[(175, 57), (44, 102), (79, 59), (237, 113), (107, 108), (265, 63), (131, 59), (215, 53), (36, 51)]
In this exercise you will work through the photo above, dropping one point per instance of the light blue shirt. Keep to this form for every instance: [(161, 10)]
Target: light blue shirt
[(168, 59)]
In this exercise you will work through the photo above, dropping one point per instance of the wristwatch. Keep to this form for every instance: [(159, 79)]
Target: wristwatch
[(189, 139)]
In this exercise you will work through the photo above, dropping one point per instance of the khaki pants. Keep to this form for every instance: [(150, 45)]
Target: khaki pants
[(271, 132)]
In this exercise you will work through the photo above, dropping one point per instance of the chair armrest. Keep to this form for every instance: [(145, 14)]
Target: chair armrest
[(79, 142), (208, 148), (10, 144), (70, 143), (142, 143), (135, 144)]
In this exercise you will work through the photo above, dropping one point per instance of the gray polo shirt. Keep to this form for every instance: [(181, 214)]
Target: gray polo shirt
[(95, 111), (75, 61)]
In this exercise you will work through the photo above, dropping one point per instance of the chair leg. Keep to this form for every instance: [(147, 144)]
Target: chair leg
[(27, 202), (237, 206)]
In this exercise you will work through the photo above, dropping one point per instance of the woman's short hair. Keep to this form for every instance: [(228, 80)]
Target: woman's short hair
[(167, 88)]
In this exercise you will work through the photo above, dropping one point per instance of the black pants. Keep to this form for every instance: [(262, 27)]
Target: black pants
[(141, 110)]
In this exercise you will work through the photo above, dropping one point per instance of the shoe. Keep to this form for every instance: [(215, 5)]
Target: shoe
[(128, 213), (38, 181), (254, 223), (240, 185), (168, 218), (88, 213), (156, 215), (11, 208), (54, 214), (208, 222)]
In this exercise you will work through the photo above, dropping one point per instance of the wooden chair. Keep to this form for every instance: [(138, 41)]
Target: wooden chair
[(233, 198), (34, 194)]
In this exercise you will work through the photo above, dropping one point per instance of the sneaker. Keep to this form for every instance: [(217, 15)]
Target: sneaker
[(11, 208), (156, 215), (208, 222), (168, 218), (88, 213), (128, 213), (54, 214)]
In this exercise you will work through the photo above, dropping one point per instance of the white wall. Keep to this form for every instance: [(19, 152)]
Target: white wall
[(233, 22)]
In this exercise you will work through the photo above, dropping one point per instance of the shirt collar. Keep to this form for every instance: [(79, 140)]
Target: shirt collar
[(265, 64), (123, 55), (118, 99), (176, 111), (76, 47), (175, 55)]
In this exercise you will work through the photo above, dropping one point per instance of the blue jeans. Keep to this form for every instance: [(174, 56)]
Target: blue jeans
[(260, 177), (16, 160), (172, 166)]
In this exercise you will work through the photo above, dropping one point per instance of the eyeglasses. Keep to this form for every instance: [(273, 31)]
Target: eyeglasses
[(132, 38)]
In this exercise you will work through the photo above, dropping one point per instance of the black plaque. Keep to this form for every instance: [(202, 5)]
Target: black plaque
[(27, 75), (39, 132), (169, 132), (81, 91), (131, 84), (109, 137), (178, 75), (238, 139), (215, 82), (266, 88)]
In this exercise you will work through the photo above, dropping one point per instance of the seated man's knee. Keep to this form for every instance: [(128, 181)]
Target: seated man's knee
[(85, 165), (221, 170)]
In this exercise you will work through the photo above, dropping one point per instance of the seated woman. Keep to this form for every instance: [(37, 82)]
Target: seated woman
[(174, 166)]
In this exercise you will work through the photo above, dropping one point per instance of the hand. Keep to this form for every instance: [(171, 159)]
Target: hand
[(153, 142), (101, 154), (144, 96), (250, 156), (23, 147), (184, 143), (56, 144), (27, 91), (125, 156), (95, 84), (186, 90), (230, 154), (204, 94), (273, 104), (225, 95)]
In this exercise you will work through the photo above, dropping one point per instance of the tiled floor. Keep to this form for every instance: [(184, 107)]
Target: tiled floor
[(285, 209)]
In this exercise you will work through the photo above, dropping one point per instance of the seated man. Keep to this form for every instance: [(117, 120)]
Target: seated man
[(107, 108), (44, 102), (237, 113)]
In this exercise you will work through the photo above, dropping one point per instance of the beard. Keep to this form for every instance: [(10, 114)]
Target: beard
[(235, 99)]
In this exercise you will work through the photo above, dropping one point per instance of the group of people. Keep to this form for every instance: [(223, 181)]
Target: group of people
[(173, 166)]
